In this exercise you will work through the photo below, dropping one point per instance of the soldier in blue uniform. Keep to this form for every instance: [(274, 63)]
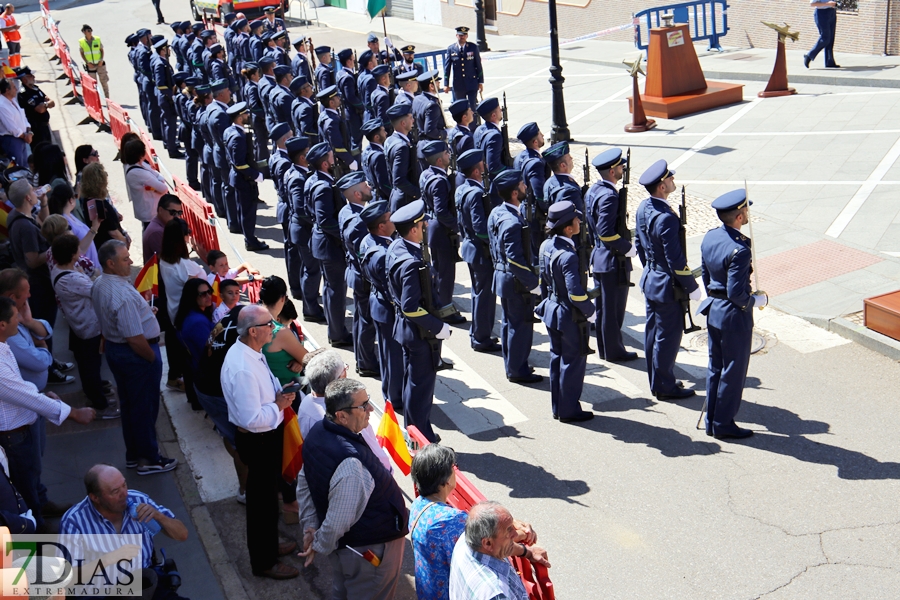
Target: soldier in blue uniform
[(473, 208), (324, 70), (266, 83), (408, 86), (280, 97), (566, 312), (240, 52), (665, 266), (203, 142), (194, 53), (333, 130), (356, 191), (515, 276), (374, 164), (409, 62), (418, 331), (384, 57), (257, 110), (131, 40), (534, 172), (164, 83), (302, 263), (380, 98), (460, 138), (726, 269), (278, 165), (427, 109), (208, 37), (217, 122), (365, 82), (443, 227), (300, 64), (188, 116), (611, 258), (561, 185), (373, 253), (488, 137), (324, 204), (243, 176), (464, 61), (271, 22), (255, 46), (228, 31), (350, 99), (304, 112), (142, 56), (177, 40), (401, 157), (217, 68), (277, 50)]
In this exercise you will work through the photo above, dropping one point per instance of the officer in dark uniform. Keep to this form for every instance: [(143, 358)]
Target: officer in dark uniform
[(203, 142), (280, 97), (208, 37), (194, 53), (561, 185), (380, 98), (534, 172), (217, 68), (350, 99), (217, 122), (443, 227), (278, 165), (302, 263), (409, 62), (427, 109), (333, 130), (324, 205), (177, 41), (460, 138), (726, 269), (373, 161), (228, 31), (276, 48), (266, 83), (356, 192), (324, 70), (148, 90), (401, 157), (665, 266), (566, 312), (464, 61), (165, 85), (515, 276), (418, 331), (35, 104), (300, 64), (304, 112), (373, 253), (188, 116), (473, 207), (611, 258), (243, 177), (255, 46), (365, 82), (488, 137), (408, 86), (271, 22), (131, 40), (257, 110), (384, 57)]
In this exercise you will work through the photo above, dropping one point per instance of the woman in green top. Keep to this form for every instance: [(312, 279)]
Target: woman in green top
[(285, 352)]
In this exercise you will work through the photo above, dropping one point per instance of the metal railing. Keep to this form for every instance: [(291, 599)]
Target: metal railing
[(707, 19)]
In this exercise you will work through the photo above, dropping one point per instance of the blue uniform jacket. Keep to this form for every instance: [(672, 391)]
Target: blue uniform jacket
[(366, 84), (380, 100), (293, 183), (561, 186), (489, 140), (534, 172), (195, 56), (132, 55), (602, 202), (435, 188), (465, 65), (402, 264), (398, 155), (266, 83), (353, 230), (278, 166), (177, 46), (218, 121), (255, 48), (202, 135), (252, 98), (142, 61), (162, 76), (330, 131), (300, 67), (475, 247), (304, 117), (374, 165), (659, 248), (513, 271), (243, 173), (373, 252), (429, 117), (280, 101), (275, 25), (726, 268), (324, 76), (349, 92), (559, 268), (324, 203)]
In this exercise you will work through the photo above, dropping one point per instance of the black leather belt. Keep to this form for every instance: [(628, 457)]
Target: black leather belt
[(152, 341), (717, 294), (16, 430)]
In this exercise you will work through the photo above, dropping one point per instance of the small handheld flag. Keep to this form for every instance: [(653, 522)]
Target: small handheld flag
[(292, 448), (390, 437), (147, 280)]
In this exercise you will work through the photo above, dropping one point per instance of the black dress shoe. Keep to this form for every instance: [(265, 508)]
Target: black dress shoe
[(532, 378), (556, 417), (314, 318), (455, 319), (834, 66), (676, 394), (624, 358), (444, 365), (806, 60), (236, 230), (577, 417), (368, 373), (735, 434), (347, 341), (176, 154), (492, 347), (258, 246)]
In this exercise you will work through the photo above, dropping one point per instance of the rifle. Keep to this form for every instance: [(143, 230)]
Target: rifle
[(505, 156), (312, 70), (451, 182), (622, 224), (584, 244), (681, 296)]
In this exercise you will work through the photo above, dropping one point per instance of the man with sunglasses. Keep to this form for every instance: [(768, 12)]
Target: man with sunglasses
[(168, 208), (351, 508)]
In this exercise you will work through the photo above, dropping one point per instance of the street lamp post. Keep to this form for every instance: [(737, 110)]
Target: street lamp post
[(560, 131), (480, 36)]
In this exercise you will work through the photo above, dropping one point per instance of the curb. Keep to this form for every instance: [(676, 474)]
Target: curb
[(865, 337)]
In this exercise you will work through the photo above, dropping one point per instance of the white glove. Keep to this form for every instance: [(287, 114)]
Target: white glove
[(259, 178), (444, 333), (387, 43), (354, 166), (536, 291), (760, 300), (592, 318), (632, 252), (27, 514), (696, 295)]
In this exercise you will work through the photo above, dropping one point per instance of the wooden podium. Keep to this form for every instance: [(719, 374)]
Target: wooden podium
[(675, 83), (882, 314)]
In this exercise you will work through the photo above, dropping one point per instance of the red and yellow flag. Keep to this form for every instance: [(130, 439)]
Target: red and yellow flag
[(390, 437), (216, 298), (147, 281), (292, 449)]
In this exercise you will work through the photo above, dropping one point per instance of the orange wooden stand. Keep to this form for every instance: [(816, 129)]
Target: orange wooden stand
[(778, 82), (882, 314), (675, 83)]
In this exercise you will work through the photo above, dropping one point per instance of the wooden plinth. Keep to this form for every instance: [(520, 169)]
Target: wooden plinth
[(778, 82), (882, 314), (714, 95), (639, 121)]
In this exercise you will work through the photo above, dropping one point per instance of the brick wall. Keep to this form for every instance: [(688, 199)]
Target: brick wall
[(862, 32)]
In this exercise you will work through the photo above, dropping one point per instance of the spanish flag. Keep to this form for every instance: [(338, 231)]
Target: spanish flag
[(148, 278), (216, 298), (292, 449), (390, 437)]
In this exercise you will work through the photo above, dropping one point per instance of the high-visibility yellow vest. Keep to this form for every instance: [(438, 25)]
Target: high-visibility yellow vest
[(92, 53)]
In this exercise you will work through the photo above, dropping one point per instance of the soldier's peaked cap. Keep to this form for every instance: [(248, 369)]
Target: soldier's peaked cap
[(732, 200), (656, 173), (411, 213), (609, 159)]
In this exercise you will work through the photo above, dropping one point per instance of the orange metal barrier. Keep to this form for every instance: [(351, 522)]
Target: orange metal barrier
[(251, 288), (150, 155), (535, 577), (118, 121), (199, 215), (92, 98)]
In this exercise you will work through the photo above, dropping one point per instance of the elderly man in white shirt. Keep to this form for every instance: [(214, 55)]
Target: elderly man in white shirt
[(256, 406), (15, 132)]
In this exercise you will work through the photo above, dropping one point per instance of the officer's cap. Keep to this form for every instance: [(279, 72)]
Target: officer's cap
[(408, 49), (192, 81), (432, 147), (556, 151), (271, 10), (296, 144), (185, 26), (131, 39), (215, 48), (23, 72), (142, 32), (156, 38), (327, 93), (350, 179), (279, 131), (320, 50), (345, 54), (318, 152), (229, 17), (732, 200), (398, 111), (298, 40), (203, 88), (256, 24), (297, 83), (279, 34), (179, 77), (406, 76), (469, 159), (487, 106), (609, 159), (371, 38), (364, 58), (528, 132), (250, 65), (427, 76), (236, 109), (656, 173), (239, 24), (160, 44), (197, 27), (265, 61), (411, 213), (459, 108), (371, 126), (373, 211), (561, 212), (177, 25), (206, 34), (265, 36), (381, 70), (217, 86), (507, 180), (462, 30), (281, 70)]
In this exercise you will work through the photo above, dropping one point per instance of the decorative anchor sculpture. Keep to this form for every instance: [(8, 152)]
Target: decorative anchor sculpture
[(639, 120), (778, 82)]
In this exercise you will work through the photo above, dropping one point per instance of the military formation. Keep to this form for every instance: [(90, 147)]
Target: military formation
[(378, 193)]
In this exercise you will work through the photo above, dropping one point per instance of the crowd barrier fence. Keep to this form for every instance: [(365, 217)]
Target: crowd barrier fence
[(92, 98), (199, 215), (119, 123)]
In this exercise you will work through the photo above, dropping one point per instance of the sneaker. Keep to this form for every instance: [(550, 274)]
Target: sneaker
[(175, 384), (164, 465), (241, 498), (131, 464), (110, 412), (63, 366), (55, 377)]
